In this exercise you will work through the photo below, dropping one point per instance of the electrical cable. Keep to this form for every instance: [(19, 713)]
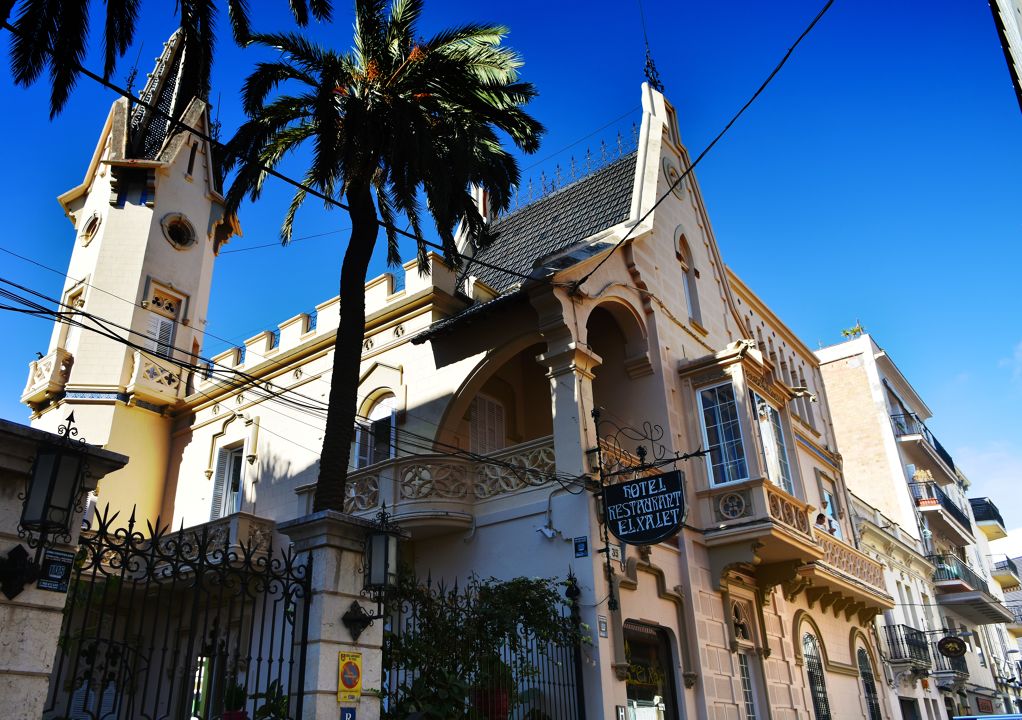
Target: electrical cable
[(578, 283)]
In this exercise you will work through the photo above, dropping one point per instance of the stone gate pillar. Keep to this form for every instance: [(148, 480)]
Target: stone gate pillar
[(335, 542)]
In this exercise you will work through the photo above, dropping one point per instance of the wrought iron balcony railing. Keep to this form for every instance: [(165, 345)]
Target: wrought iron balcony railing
[(1016, 612), (949, 567), (929, 492), (943, 664), (905, 643), (985, 510), (910, 424), (1007, 564)]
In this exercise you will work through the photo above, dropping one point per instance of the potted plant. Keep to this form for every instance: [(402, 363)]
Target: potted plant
[(275, 705), (493, 688), (234, 702)]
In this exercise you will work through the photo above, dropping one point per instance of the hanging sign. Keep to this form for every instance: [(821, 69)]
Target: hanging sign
[(647, 510), (952, 647), (349, 676)]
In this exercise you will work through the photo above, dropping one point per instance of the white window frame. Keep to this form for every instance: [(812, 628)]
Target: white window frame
[(226, 501), (706, 438), (772, 451), (366, 430)]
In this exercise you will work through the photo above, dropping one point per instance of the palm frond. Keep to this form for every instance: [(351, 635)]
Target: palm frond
[(68, 52), (36, 27), (265, 79), (241, 25), (121, 17)]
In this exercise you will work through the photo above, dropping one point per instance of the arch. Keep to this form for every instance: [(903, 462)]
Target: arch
[(628, 320), (689, 284), (373, 398), (803, 617), (474, 381), (815, 674)]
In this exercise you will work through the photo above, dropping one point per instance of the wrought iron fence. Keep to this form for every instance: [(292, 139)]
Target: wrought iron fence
[(474, 653), (181, 625), (906, 643)]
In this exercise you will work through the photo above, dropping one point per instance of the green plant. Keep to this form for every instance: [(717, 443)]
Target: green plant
[(442, 696), (276, 704), (235, 696)]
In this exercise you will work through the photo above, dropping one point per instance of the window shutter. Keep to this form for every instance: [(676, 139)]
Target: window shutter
[(486, 426), (216, 507), (159, 335), (363, 446)]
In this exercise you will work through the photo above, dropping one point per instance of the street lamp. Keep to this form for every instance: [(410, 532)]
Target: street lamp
[(54, 487), (380, 570), (51, 500)]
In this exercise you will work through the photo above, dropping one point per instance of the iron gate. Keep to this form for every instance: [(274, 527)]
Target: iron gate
[(487, 651), (182, 625)]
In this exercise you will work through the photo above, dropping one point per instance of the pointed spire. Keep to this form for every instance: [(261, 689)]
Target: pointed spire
[(166, 90)]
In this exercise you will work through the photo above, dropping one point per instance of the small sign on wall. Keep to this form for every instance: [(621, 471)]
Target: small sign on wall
[(55, 573), (601, 625), (985, 705), (582, 546), (347, 713), (349, 677)]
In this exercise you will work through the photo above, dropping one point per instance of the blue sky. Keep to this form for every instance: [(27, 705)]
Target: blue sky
[(876, 179)]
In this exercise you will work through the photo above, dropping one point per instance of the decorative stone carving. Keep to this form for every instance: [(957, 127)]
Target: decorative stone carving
[(441, 480), (361, 493)]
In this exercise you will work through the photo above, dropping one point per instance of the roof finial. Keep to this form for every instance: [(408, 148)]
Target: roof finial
[(649, 70)]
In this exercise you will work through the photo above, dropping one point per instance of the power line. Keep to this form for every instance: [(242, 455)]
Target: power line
[(578, 283), (181, 125), (277, 244), (413, 440)]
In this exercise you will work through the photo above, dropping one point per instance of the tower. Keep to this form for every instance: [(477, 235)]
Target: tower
[(149, 222)]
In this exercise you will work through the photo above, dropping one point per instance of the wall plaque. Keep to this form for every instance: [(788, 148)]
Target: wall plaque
[(55, 573), (645, 511)]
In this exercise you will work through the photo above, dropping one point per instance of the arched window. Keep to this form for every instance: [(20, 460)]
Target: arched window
[(375, 435), (814, 673), (869, 685), (690, 276), (749, 670)]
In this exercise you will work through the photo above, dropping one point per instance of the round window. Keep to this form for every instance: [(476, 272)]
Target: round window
[(178, 231), (90, 228)]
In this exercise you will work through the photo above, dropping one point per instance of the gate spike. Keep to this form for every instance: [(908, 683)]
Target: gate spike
[(131, 520)]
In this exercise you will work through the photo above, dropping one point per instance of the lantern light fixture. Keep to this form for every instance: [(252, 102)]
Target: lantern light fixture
[(379, 569)]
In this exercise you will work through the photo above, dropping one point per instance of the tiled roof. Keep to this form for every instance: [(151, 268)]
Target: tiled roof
[(556, 221)]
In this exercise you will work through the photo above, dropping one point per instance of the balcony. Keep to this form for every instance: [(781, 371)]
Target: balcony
[(155, 380), (906, 645), (1005, 572), (988, 518), (948, 669), (432, 494), (1015, 624), (922, 448), (942, 514), (47, 377), (961, 589), (758, 524)]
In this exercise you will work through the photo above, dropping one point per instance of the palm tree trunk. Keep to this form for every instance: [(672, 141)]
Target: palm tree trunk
[(340, 419)]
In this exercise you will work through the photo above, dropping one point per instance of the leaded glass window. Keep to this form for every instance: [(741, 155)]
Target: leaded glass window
[(775, 449), (726, 457), (869, 685), (748, 693), (814, 672)]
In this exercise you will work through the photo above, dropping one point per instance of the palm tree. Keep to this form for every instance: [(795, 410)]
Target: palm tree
[(53, 35), (392, 120)]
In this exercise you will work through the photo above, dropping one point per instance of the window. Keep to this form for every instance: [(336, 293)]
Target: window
[(688, 283), (70, 334), (228, 483), (89, 701), (748, 691), (814, 673), (775, 451), (650, 681), (374, 436), (89, 229), (828, 496), (178, 230), (164, 308), (748, 669), (723, 435), (191, 157), (486, 426), (869, 685)]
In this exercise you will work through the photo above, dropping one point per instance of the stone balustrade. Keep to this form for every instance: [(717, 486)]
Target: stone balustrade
[(417, 483), (47, 376), (155, 379), (787, 510), (853, 563)]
